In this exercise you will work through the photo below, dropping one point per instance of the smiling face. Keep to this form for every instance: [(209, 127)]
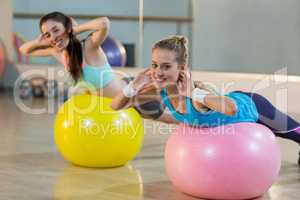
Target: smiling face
[(165, 66), (56, 34)]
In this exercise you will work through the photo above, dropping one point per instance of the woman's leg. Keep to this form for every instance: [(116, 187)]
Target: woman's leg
[(152, 109), (280, 123)]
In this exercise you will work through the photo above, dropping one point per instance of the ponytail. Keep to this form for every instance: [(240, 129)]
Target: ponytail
[(74, 50)]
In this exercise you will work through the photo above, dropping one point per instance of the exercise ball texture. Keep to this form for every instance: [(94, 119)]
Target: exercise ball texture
[(114, 51), (236, 161), (89, 133)]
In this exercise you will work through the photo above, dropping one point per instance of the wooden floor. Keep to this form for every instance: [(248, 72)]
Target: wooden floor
[(31, 168)]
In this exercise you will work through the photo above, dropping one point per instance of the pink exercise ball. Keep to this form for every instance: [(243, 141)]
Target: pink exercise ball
[(236, 161)]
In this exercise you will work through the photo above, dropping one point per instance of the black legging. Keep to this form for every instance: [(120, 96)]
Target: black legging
[(280, 123)]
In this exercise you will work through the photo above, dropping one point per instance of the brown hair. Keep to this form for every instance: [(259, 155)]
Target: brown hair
[(175, 43), (74, 47)]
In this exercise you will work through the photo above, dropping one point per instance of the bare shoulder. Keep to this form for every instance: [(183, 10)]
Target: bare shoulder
[(93, 56)]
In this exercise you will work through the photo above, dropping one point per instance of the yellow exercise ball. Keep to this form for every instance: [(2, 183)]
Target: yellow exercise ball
[(89, 133)]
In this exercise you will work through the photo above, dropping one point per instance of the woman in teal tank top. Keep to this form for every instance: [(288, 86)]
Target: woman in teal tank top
[(85, 61), (201, 106)]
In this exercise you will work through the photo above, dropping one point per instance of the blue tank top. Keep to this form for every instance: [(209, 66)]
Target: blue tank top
[(99, 77), (246, 112)]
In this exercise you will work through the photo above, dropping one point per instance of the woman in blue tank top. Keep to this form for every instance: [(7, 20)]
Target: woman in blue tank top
[(200, 106), (84, 60)]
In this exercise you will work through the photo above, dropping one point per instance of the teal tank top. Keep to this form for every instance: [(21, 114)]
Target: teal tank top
[(99, 77), (246, 112)]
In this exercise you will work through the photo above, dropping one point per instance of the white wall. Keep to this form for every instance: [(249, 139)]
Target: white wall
[(247, 35)]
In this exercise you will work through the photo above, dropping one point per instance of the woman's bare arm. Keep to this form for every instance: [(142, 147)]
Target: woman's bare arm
[(222, 104), (100, 29), (37, 47)]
